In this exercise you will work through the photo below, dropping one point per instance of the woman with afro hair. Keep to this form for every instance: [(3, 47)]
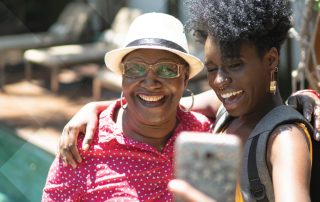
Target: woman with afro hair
[(242, 40)]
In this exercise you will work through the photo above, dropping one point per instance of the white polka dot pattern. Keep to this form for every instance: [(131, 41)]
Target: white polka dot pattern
[(117, 168)]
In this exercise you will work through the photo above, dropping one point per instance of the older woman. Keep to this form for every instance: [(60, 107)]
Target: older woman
[(132, 152), (242, 47)]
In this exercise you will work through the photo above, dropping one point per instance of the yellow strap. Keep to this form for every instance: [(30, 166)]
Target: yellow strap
[(306, 132), (238, 196)]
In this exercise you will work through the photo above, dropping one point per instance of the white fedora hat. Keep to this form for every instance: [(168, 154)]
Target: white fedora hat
[(154, 31)]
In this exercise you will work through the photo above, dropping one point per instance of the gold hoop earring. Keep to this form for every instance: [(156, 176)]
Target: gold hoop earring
[(273, 82), (192, 96), (121, 99)]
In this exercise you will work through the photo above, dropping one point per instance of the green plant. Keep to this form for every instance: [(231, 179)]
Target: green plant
[(317, 5)]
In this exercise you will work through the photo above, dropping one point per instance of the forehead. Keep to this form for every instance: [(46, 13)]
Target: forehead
[(152, 55), (213, 53), (211, 50)]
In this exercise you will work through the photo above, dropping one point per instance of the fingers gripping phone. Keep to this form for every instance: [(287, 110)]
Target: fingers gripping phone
[(209, 162)]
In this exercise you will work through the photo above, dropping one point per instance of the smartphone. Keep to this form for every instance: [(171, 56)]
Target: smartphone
[(209, 162)]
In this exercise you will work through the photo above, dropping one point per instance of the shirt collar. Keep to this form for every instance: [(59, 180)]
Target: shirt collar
[(109, 130)]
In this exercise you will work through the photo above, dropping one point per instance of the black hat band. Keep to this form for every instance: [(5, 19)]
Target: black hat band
[(156, 42)]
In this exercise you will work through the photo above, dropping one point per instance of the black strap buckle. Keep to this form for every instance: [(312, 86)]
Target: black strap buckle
[(258, 190)]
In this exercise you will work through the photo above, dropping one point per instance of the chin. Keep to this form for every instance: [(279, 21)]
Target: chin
[(152, 119), (155, 123), (235, 112)]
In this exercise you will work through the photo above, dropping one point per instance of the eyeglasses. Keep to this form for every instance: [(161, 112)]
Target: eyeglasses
[(164, 70)]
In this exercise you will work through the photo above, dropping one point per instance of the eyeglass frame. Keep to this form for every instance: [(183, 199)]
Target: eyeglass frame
[(150, 66)]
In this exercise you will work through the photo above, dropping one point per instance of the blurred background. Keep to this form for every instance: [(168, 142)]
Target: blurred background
[(51, 64)]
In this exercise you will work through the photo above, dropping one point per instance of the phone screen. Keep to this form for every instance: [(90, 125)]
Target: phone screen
[(209, 162)]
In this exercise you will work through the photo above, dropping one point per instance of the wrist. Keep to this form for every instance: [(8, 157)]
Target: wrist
[(101, 105), (314, 92)]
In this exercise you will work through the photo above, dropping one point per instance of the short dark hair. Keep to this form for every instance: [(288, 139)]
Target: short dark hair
[(264, 23)]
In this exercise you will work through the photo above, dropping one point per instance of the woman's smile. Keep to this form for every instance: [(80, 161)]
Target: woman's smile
[(231, 99), (230, 94), (151, 100)]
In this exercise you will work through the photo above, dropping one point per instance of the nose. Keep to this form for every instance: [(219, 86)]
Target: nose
[(222, 79), (151, 80)]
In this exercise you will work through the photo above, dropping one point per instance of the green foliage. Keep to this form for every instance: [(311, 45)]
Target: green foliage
[(317, 5)]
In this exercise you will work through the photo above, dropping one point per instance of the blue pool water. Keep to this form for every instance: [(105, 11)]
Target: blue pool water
[(23, 168)]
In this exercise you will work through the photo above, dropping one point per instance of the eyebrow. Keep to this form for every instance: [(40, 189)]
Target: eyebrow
[(209, 62)]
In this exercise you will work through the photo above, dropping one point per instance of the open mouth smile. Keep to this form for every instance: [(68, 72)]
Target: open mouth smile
[(231, 99), (230, 94), (153, 98)]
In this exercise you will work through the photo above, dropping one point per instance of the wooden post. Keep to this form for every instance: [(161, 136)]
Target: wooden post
[(96, 88), (28, 70), (173, 8), (2, 71), (54, 81)]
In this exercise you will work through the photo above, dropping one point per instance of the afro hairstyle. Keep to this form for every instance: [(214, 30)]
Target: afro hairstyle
[(264, 23)]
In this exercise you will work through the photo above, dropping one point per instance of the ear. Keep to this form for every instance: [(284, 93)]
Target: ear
[(186, 78), (272, 58)]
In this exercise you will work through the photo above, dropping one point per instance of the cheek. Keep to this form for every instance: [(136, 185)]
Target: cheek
[(177, 88), (178, 84), (211, 78), (261, 80), (128, 86)]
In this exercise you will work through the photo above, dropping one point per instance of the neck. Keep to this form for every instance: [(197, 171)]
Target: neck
[(154, 135), (264, 107), (242, 126)]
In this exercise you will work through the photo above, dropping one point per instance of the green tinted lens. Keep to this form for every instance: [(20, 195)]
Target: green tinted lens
[(167, 70), (134, 69)]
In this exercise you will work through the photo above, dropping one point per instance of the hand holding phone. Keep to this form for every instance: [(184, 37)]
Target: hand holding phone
[(209, 162)]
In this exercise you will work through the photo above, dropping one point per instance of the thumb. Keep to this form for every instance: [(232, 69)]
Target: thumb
[(292, 101), (90, 131)]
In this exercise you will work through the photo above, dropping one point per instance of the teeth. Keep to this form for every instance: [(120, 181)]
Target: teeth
[(151, 98), (227, 95)]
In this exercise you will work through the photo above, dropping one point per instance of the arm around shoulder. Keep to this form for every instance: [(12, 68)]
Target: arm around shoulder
[(85, 120)]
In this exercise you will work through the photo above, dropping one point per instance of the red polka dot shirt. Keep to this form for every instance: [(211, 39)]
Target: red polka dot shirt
[(118, 168)]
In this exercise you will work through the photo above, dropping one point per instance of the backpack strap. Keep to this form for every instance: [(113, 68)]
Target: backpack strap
[(278, 116), (222, 118), (257, 189)]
